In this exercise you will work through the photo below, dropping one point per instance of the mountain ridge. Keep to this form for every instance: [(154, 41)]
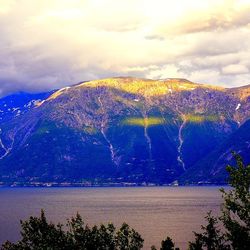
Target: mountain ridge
[(122, 130)]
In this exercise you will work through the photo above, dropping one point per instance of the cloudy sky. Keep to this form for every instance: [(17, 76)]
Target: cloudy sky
[(47, 44)]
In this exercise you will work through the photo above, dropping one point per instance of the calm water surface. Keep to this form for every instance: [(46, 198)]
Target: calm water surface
[(154, 211)]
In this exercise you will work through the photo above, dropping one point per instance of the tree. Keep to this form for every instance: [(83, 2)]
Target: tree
[(168, 244), (83, 237), (236, 208), (212, 238), (38, 234), (128, 239), (235, 216)]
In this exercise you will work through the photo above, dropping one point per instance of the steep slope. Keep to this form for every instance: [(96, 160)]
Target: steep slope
[(212, 167), (17, 104), (120, 130)]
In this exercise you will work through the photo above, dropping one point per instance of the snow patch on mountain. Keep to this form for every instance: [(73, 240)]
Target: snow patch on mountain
[(238, 106)]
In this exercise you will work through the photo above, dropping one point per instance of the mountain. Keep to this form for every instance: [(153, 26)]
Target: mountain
[(127, 130), (17, 104), (213, 165)]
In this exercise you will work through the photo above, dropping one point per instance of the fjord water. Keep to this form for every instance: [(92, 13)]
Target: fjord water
[(154, 211)]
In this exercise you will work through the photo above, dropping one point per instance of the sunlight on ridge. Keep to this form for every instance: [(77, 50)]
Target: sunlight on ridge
[(200, 118), (143, 122), (144, 87)]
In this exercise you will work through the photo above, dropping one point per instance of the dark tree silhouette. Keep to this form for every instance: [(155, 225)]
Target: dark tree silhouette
[(38, 234), (235, 216), (236, 208), (211, 238)]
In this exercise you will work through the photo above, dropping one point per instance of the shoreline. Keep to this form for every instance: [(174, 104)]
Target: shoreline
[(104, 185)]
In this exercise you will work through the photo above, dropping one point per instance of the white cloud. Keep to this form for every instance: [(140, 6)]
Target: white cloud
[(166, 71), (51, 43), (235, 69)]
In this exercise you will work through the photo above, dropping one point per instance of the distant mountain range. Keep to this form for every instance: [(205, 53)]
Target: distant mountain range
[(124, 130)]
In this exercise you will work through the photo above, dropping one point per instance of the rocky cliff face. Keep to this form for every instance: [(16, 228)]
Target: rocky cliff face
[(127, 130)]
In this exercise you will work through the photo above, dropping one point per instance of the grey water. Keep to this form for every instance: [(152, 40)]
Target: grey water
[(156, 212)]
